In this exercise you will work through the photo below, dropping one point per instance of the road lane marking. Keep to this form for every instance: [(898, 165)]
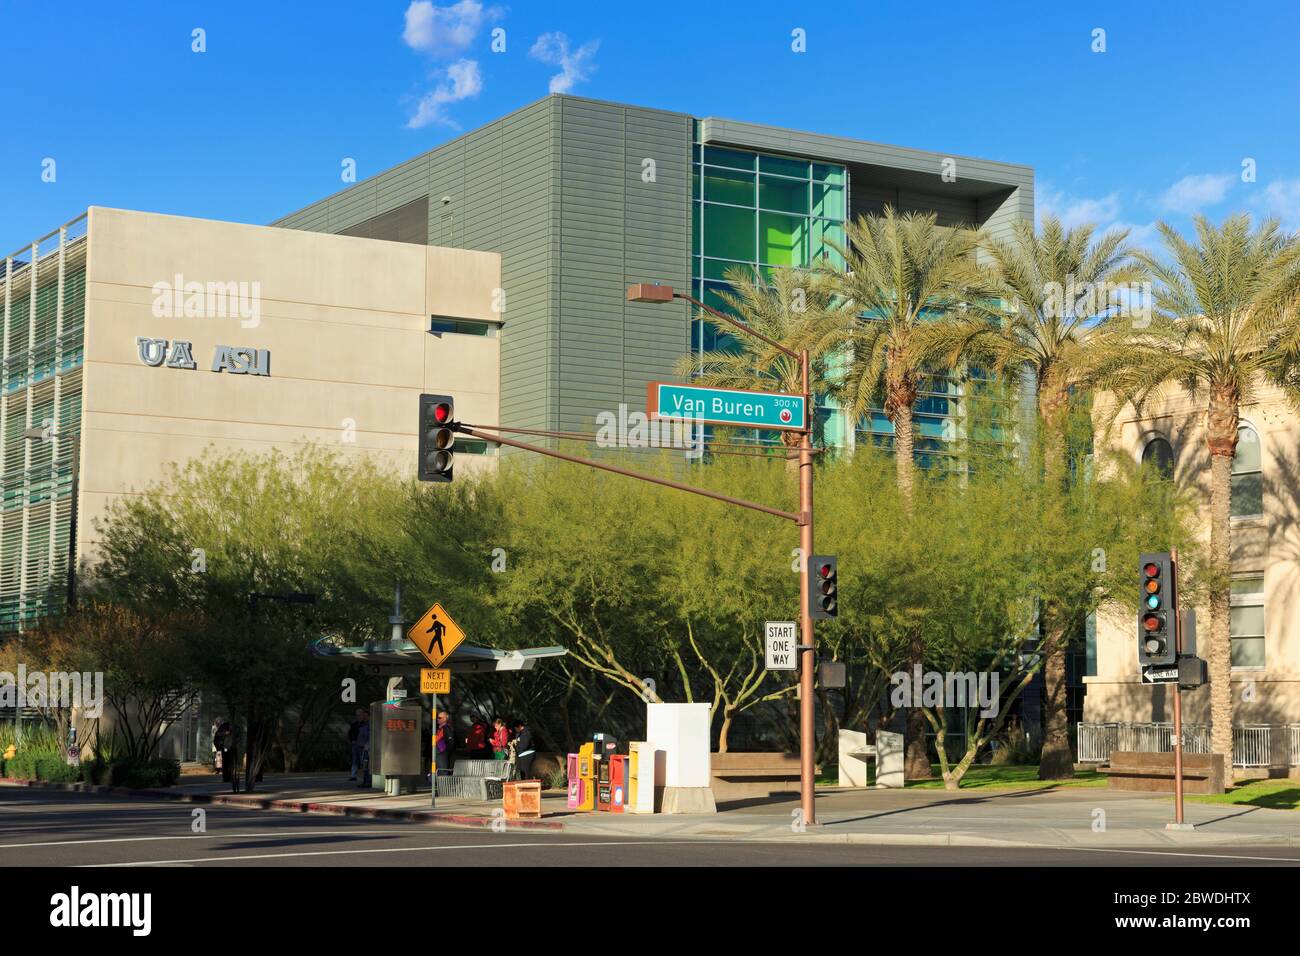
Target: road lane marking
[(1209, 856), (219, 835), (415, 849)]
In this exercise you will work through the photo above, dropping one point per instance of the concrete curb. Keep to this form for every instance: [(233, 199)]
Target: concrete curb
[(246, 802)]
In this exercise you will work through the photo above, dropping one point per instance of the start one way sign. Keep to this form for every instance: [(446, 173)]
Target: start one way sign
[(782, 636)]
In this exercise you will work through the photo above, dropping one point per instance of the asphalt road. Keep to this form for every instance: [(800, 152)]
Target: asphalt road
[(52, 828)]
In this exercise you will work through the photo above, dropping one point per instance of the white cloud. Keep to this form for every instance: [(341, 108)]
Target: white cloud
[(1281, 198), (461, 80), (445, 31), (1191, 193), (1077, 210), (575, 67)]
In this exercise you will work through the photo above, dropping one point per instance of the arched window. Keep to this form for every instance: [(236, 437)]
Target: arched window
[(1159, 456), (1247, 475)]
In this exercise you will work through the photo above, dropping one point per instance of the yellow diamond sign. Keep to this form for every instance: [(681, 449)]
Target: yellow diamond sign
[(436, 635)]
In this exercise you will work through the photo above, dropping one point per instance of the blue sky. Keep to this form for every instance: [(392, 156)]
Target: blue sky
[(1156, 126)]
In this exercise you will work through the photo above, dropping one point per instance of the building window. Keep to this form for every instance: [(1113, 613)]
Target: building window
[(1247, 624), (1158, 455), (1247, 475), (440, 324)]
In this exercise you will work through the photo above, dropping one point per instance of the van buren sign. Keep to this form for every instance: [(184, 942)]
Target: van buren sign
[(725, 406)]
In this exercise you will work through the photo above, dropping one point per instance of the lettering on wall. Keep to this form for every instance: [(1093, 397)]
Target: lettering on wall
[(226, 358)]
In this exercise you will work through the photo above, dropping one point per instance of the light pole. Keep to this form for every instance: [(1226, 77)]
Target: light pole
[(804, 519), (40, 434)]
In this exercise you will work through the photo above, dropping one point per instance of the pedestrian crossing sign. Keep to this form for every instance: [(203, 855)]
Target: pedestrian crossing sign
[(436, 635)]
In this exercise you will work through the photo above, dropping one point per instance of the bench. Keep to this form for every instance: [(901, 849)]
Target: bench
[(1154, 772), (475, 779), (738, 776)]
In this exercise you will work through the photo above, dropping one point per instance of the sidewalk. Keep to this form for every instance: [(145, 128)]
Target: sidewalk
[(1069, 817)]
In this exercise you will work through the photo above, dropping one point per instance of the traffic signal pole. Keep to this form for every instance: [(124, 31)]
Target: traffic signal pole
[(807, 652), (803, 518), (1178, 700)]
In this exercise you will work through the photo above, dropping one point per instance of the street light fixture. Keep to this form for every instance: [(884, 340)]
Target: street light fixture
[(659, 294)]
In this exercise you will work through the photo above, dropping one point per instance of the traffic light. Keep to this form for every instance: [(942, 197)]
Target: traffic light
[(1158, 614), (437, 437), (823, 587)]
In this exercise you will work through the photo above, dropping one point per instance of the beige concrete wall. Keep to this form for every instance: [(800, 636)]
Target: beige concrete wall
[(346, 323), (1269, 546)]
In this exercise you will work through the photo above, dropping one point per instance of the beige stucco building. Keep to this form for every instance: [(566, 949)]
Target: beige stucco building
[(1265, 567), (135, 340)]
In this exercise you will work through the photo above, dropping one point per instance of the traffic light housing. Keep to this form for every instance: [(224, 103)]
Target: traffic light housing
[(437, 437), (823, 587), (1157, 619)]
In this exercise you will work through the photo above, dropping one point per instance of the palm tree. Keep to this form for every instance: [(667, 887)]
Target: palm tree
[(790, 308), (1226, 320), (1048, 283), (906, 280)]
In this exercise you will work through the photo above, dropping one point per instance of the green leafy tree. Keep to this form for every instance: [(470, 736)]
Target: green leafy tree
[(1057, 287), (906, 281)]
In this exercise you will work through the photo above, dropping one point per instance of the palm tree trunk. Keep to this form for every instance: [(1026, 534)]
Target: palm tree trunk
[(1057, 762), (1219, 653), (904, 463), (916, 759)]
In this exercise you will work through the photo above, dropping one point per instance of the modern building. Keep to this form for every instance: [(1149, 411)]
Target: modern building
[(582, 198), (493, 267), (1265, 567), (133, 341)]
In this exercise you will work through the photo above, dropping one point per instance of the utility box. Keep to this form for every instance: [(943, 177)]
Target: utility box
[(395, 744)]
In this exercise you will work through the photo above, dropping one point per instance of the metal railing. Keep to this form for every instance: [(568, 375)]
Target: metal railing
[(1293, 757), (1252, 745)]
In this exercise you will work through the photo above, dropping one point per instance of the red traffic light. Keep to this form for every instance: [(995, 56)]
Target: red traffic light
[(1151, 569), (442, 413), (1152, 622), (824, 570)]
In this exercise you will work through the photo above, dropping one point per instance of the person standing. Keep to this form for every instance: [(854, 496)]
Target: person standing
[(442, 743), (354, 738), (523, 742), (500, 739)]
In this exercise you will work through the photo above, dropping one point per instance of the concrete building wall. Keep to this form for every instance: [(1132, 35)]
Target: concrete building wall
[(345, 321), (1267, 546)]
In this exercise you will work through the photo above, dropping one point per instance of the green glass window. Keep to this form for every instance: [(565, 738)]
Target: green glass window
[(823, 234), (828, 201), (783, 165), (782, 239), (783, 195), (716, 156), (729, 232), (826, 173), (718, 269), (723, 185)]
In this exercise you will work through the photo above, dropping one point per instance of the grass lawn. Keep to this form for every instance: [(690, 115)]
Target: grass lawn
[(1271, 794), (990, 777), (1010, 777)]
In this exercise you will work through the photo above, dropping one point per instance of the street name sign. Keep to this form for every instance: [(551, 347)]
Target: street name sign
[(781, 638), (673, 401), (1160, 674), (436, 635), (435, 680)]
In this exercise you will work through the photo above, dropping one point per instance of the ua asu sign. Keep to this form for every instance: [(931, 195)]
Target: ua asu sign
[(178, 354)]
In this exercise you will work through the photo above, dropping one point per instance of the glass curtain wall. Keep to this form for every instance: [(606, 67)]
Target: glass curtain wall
[(42, 298), (758, 211)]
